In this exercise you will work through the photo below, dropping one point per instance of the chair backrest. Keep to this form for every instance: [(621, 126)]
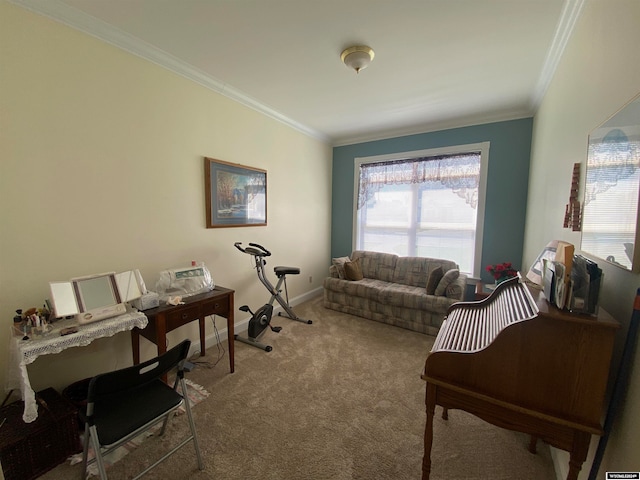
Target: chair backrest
[(127, 378)]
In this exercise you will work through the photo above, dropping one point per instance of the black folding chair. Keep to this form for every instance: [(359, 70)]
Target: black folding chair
[(127, 402)]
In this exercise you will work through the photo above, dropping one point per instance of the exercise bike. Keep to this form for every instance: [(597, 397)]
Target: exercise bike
[(261, 318)]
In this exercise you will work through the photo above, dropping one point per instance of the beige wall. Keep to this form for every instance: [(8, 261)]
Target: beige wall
[(598, 73), (102, 170)]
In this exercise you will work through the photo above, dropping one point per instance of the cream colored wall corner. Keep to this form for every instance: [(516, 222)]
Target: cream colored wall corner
[(598, 73), (102, 170)]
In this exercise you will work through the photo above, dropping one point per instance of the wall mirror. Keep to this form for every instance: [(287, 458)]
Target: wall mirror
[(610, 224)]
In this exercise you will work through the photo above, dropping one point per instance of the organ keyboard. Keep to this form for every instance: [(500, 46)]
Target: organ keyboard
[(517, 362)]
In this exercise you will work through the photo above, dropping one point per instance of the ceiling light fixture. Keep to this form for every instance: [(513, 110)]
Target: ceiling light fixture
[(357, 57)]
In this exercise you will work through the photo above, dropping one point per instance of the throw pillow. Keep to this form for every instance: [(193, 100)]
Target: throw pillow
[(339, 263), (453, 291), (447, 279), (352, 270), (434, 279)]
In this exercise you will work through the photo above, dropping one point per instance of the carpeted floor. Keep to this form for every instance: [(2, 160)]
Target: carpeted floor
[(339, 399)]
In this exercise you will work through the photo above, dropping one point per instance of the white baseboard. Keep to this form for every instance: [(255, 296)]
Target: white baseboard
[(242, 325)]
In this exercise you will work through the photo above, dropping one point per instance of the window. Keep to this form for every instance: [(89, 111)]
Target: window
[(425, 204)]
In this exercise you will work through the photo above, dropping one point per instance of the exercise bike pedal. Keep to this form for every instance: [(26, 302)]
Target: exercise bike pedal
[(253, 342)]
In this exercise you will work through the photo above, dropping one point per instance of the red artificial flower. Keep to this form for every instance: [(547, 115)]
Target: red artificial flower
[(502, 270)]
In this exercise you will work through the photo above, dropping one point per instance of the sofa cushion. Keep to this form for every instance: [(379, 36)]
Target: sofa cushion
[(453, 291), (406, 296), (367, 288), (412, 271), (376, 265), (447, 280), (434, 280), (352, 270), (339, 264), (415, 271)]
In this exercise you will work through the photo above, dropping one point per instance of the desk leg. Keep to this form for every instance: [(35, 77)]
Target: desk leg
[(161, 337), (135, 345), (230, 334), (430, 402), (202, 342), (161, 333), (578, 454)]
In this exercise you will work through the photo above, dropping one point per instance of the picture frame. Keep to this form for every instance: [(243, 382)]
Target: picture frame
[(236, 195), (611, 206)]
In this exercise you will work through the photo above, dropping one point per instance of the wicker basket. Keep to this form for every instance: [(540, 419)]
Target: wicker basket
[(77, 394), (27, 450)]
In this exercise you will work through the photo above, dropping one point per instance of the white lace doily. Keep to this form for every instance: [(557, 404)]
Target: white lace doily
[(24, 352)]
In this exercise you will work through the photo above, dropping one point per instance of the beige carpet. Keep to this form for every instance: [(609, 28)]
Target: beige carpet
[(340, 399)]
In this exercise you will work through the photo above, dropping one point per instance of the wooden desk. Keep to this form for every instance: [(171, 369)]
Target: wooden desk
[(544, 373), (165, 318)]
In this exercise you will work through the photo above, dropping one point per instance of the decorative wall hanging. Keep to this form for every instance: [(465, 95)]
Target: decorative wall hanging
[(573, 211), (236, 195)]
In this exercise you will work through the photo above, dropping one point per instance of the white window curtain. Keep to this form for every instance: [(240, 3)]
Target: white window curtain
[(424, 206), (460, 173)]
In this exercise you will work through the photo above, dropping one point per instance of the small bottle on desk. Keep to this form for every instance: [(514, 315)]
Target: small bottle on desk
[(18, 324)]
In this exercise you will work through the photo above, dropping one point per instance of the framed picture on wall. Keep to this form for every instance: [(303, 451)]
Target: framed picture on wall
[(236, 195)]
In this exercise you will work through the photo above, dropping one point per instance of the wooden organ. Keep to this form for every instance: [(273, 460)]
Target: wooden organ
[(516, 361)]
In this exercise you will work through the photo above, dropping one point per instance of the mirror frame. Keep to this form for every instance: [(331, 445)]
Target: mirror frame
[(624, 124)]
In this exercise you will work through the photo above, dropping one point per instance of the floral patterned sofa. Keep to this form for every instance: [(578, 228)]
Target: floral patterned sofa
[(408, 292)]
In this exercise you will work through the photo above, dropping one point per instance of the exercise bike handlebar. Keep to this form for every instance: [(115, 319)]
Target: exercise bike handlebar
[(253, 249)]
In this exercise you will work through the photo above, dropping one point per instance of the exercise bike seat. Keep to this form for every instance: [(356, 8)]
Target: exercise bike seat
[(282, 271)]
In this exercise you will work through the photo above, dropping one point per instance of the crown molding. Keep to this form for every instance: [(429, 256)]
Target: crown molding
[(454, 123), (571, 11), (74, 18), (94, 27)]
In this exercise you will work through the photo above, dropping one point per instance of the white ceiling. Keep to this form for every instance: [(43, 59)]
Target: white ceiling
[(438, 63)]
